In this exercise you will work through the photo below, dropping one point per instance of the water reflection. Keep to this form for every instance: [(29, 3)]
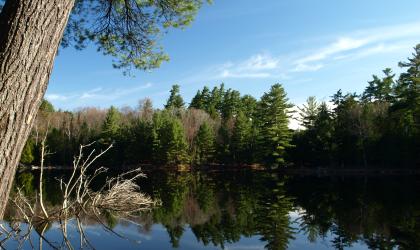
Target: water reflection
[(265, 210)]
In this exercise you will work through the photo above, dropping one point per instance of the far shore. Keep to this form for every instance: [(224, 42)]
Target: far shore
[(303, 171)]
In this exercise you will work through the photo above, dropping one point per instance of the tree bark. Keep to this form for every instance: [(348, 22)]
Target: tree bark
[(30, 33)]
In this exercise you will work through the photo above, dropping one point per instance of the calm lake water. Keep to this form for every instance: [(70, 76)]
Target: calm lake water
[(248, 210)]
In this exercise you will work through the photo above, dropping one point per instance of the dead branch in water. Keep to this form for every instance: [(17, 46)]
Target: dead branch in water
[(120, 195), (44, 153)]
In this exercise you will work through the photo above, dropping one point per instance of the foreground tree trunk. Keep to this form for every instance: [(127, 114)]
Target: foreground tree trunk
[(30, 33)]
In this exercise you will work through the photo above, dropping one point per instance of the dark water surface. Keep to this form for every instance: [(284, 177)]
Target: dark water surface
[(250, 210)]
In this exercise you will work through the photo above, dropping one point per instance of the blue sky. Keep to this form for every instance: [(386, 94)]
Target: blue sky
[(311, 47)]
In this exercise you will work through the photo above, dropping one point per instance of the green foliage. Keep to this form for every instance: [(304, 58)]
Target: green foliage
[(169, 145), (211, 102), (367, 129), (273, 118), (380, 89), (175, 100), (111, 125), (197, 102), (231, 104), (28, 156), (129, 30), (308, 112), (140, 142), (46, 106), (204, 145), (25, 181), (231, 128), (241, 141)]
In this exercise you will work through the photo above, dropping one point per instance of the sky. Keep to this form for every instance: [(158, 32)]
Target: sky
[(313, 48)]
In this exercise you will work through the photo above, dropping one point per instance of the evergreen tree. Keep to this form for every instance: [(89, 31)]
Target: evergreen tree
[(308, 112), (140, 142), (214, 102), (46, 106), (231, 104), (111, 125), (28, 152), (248, 106), (224, 136), (206, 98), (170, 145), (273, 119), (407, 106), (204, 145), (197, 102), (220, 95), (242, 139), (380, 89), (322, 136), (175, 100)]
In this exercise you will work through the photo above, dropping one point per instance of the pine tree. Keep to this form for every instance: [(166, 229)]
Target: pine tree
[(214, 102), (380, 89), (169, 145), (28, 152), (197, 102), (111, 125), (248, 106), (407, 106), (321, 139), (175, 100), (204, 145), (273, 119), (206, 98), (231, 104), (241, 139), (46, 106), (308, 112)]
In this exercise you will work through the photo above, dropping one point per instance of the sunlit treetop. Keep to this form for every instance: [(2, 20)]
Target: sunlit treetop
[(128, 30)]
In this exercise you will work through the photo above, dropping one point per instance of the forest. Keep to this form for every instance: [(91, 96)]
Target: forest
[(377, 128)]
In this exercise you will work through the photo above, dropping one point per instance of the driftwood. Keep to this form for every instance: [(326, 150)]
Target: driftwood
[(119, 195)]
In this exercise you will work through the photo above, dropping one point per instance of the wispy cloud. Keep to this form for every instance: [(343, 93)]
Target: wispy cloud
[(341, 45), (353, 45), (56, 97), (257, 66), (97, 94), (360, 44)]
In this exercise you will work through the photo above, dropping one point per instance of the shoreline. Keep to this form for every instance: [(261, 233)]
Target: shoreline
[(303, 171)]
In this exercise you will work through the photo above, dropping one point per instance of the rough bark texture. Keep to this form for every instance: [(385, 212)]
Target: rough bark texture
[(30, 33)]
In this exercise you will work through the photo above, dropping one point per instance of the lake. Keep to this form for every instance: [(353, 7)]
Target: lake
[(242, 209)]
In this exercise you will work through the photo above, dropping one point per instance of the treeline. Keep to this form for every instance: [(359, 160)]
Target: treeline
[(380, 127), (218, 127)]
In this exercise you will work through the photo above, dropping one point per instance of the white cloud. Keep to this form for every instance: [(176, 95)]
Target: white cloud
[(353, 45), (56, 97), (260, 62), (257, 66), (341, 45), (360, 44), (307, 67), (98, 94), (90, 93)]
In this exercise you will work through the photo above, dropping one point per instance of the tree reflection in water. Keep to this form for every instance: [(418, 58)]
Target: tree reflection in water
[(220, 208)]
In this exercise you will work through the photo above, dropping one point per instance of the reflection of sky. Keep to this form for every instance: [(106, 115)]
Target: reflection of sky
[(301, 239), (158, 238)]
